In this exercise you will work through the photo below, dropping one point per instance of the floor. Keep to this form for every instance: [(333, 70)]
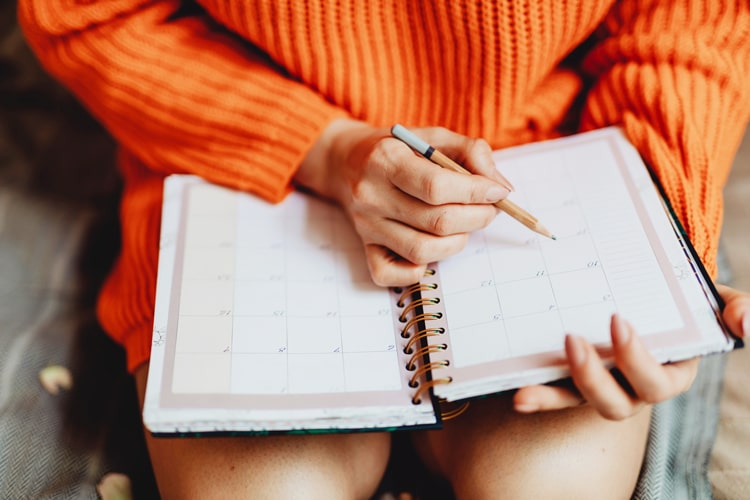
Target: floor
[(731, 478)]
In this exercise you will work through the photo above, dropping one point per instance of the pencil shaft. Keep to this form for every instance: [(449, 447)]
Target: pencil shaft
[(417, 144), (506, 205)]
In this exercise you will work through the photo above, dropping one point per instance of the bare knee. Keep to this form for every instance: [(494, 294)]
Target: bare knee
[(318, 466), (492, 452), (305, 466), (557, 474)]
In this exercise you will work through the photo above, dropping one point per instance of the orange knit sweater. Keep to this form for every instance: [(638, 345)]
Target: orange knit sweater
[(237, 92)]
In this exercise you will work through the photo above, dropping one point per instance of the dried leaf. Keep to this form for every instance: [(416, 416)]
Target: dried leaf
[(54, 378), (114, 486)]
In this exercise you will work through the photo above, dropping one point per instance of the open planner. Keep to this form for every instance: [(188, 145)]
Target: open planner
[(266, 318)]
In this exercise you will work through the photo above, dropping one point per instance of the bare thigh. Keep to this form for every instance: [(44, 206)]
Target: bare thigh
[(492, 452), (315, 466)]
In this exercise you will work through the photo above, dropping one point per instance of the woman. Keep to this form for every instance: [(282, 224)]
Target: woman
[(264, 95)]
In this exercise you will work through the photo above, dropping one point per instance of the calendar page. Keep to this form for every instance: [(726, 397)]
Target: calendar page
[(511, 296), (267, 319)]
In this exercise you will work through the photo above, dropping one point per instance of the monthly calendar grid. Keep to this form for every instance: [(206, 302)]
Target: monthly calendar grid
[(537, 295), (279, 305), (203, 345), (596, 228)]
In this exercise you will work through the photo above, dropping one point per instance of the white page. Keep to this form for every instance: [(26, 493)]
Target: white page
[(510, 297), (266, 319)]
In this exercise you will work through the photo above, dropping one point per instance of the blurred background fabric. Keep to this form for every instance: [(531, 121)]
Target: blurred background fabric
[(58, 238)]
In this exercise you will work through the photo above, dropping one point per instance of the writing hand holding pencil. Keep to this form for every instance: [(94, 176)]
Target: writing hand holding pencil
[(413, 141), (407, 211)]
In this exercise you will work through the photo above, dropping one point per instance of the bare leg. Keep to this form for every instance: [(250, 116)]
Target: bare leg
[(493, 452), (316, 466)]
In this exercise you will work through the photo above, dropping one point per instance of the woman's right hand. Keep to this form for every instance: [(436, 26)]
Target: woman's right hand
[(407, 210)]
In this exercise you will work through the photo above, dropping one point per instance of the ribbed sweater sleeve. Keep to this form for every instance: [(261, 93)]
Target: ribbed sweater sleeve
[(674, 75), (178, 91)]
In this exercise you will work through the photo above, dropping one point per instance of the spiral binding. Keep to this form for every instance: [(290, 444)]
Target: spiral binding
[(415, 288), (419, 335), (452, 410), (415, 317), (416, 320), (417, 398), (411, 364), (420, 302), (423, 369)]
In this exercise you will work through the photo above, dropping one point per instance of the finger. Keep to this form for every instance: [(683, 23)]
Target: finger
[(415, 246), (651, 381), (536, 398), (596, 383), (475, 155), (388, 269), (441, 220), (736, 313), (426, 181)]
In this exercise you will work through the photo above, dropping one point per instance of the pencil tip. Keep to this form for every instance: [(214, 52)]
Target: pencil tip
[(553, 236)]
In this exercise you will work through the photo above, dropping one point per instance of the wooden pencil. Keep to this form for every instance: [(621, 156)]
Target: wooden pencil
[(410, 139)]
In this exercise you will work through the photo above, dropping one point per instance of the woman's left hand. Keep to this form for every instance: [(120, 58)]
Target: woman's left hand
[(646, 380)]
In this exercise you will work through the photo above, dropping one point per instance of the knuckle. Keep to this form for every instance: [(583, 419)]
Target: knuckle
[(436, 133), (382, 157), (433, 189), (358, 193), (418, 251), (478, 192), (474, 144), (360, 221), (441, 222), (480, 144), (363, 195), (387, 151)]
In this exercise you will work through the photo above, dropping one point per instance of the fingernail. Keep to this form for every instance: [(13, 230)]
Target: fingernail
[(575, 349), (746, 325), (504, 181), (620, 331), (526, 407), (496, 193)]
